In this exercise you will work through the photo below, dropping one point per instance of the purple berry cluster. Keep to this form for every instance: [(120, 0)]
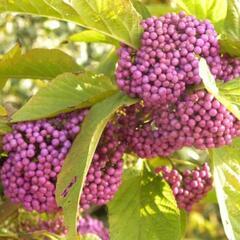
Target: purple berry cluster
[(167, 61), (93, 226), (190, 186), (197, 120), (202, 121), (86, 225), (36, 152), (230, 68), (105, 173), (138, 128)]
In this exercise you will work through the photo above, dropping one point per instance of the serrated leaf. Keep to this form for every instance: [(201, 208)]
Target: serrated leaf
[(230, 37), (90, 36), (226, 172), (219, 93), (214, 10), (66, 93), (141, 8), (78, 161), (144, 208), (36, 64), (117, 19)]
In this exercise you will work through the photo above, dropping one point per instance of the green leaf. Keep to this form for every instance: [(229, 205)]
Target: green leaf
[(144, 208), (183, 215), (4, 127), (36, 64), (66, 93), (117, 19), (226, 173), (90, 237), (228, 100), (108, 63), (141, 8), (90, 36), (230, 37), (214, 10), (160, 9), (78, 161)]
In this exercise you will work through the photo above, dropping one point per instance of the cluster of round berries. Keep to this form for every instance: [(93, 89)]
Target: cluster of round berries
[(189, 187), (92, 225), (86, 225), (36, 154), (198, 120), (105, 173), (167, 60)]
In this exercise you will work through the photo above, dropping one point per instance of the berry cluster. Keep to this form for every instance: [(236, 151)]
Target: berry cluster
[(36, 154), (189, 187), (197, 120), (86, 225), (168, 58), (105, 173), (138, 128), (91, 225)]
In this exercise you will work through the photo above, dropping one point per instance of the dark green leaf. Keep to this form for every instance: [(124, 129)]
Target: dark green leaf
[(78, 161), (108, 64), (141, 8), (230, 37), (226, 173), (91, 36), (65, 93), (36, 64), (144, 208), (228, 100), (117, 19)]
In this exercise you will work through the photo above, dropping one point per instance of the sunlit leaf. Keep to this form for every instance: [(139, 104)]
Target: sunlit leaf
[(226, 173), (117, 19), (228, 100), (66, 93), (78, 161), (36, 64), (230, 36), (214, 10), (144, 208), (90, 36)]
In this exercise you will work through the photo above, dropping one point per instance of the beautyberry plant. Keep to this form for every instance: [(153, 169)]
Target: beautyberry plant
[(167, 91)]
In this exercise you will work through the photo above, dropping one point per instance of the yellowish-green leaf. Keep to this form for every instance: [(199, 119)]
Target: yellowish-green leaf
[(117, 19), (219, 93), (230, 36), (78, 161), (144, 208), (214, 10), (90, 36), (226, 172), (66, 93), (36, 64), (141, 8)]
